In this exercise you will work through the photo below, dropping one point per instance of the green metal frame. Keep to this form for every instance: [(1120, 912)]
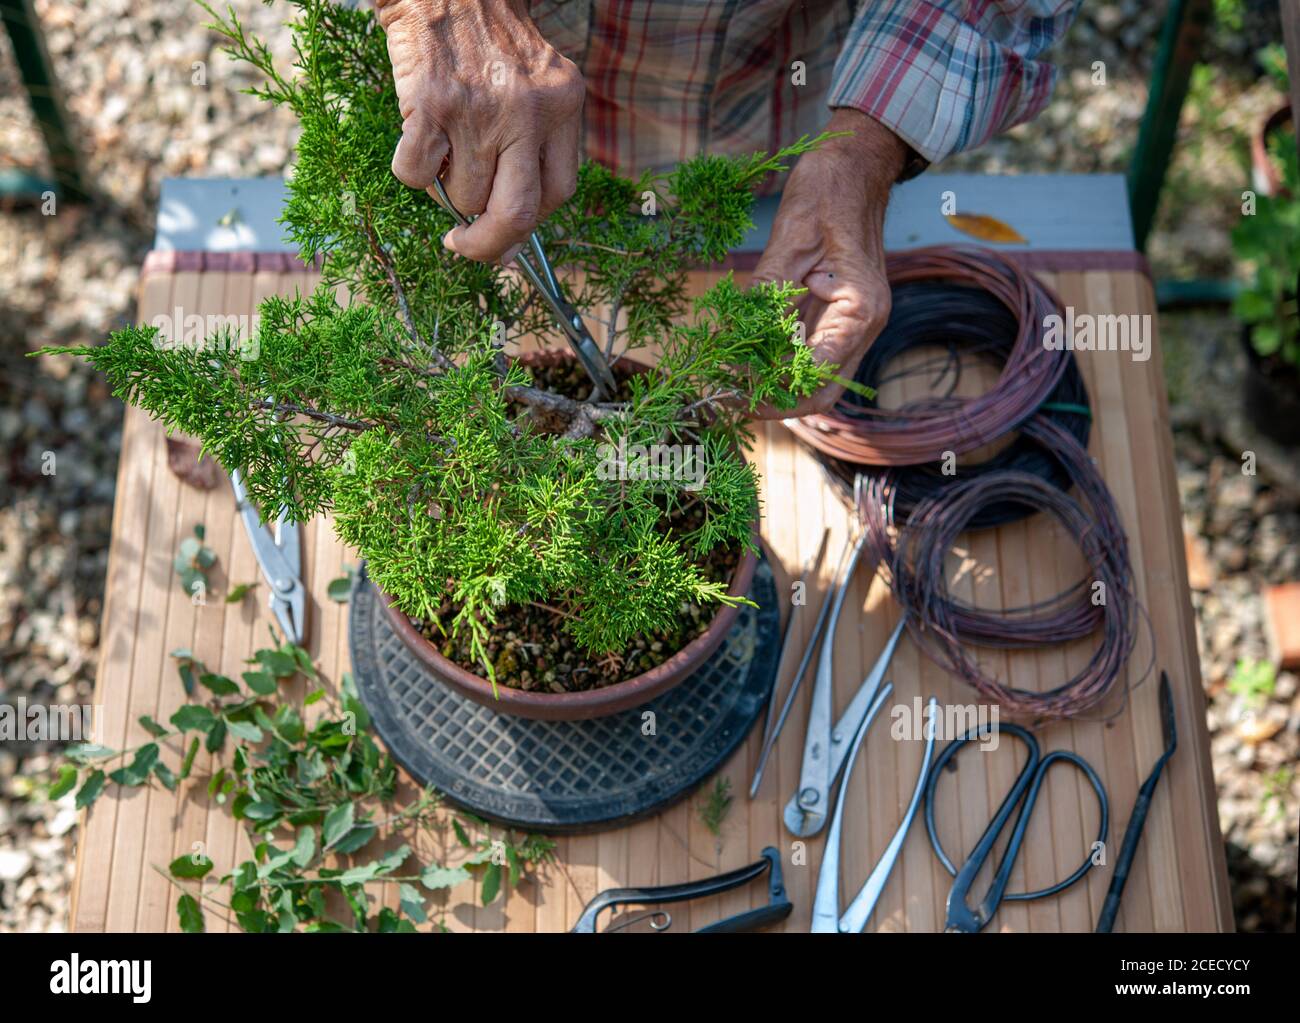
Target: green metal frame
[(1181, 40), (47, 106)]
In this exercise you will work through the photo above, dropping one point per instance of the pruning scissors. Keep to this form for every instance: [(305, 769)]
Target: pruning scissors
[(279, 554), (542, 277), (826, 918), (961, 917)]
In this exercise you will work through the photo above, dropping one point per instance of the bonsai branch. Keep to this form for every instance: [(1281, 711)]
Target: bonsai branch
[(291, 409), (404, 307)]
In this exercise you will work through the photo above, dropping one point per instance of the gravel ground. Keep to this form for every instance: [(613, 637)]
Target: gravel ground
[(127, 67)]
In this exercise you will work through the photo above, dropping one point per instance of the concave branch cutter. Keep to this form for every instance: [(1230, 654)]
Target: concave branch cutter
[(826, 748), (542, 277), (279, 554), (826, 917)]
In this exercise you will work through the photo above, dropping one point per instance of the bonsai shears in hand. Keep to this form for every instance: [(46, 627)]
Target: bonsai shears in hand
[(962, 917), (542, 277), (826, 918), (279, 554)]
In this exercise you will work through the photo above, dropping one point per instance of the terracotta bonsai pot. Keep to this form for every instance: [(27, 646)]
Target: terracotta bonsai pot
[(590, 703)]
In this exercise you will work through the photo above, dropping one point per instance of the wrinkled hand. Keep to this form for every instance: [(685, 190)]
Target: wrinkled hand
[(477, 85), (829, 237)]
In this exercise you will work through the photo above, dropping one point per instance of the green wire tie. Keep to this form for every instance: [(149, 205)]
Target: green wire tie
[(1065, 406)]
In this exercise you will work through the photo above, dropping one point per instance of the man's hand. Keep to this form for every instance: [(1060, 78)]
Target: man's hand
[(478, 85), (828, 237)]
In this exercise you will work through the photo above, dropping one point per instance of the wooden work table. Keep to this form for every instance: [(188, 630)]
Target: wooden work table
[(1179, 880)]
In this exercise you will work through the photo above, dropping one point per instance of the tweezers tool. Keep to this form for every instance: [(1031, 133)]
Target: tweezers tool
[(542, 277), (778, 903), (1138, 819), (826, 917), (279, 555)]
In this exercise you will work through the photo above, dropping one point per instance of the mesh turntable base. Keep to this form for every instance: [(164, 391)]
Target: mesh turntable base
[(564, 776)]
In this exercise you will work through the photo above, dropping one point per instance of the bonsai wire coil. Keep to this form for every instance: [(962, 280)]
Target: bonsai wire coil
[(924, 431), (965, 321), (564, 776), (912, 553)]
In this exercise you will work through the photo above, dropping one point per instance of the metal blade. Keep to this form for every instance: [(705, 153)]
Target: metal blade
[(279, 567), (860, 909), (826, 901), (774, 723), (279, 573), (812, 798), (797, 819), (289, 539), (542, 277), (580, 340)]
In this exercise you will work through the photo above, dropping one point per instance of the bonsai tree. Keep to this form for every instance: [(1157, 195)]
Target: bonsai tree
[(470, 483)]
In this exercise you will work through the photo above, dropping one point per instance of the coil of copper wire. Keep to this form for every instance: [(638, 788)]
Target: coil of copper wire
[(912, 553), (960, 326), (858, 430)]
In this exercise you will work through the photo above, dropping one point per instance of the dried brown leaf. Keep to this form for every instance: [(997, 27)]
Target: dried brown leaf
[(188, 465), (984, 227)]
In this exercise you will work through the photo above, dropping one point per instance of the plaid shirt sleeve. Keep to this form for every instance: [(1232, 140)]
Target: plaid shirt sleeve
[(947, 75)]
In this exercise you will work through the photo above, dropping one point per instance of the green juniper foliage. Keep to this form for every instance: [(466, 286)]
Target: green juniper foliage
[(400, 412)]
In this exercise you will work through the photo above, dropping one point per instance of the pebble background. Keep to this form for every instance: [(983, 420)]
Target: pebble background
[(127, 68)]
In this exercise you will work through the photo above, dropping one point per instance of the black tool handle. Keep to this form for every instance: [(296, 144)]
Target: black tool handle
[(770, 864), (750, 921), (1132, 836)]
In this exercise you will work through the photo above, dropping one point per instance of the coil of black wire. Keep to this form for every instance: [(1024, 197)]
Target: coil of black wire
[(959, 322), (973, 305), (926, 430)]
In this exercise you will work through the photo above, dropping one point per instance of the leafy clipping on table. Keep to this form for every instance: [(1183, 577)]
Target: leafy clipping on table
[(306, 794)]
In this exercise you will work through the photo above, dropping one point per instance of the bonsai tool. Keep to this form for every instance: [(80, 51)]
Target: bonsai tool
[(1024, 794), (279, 554), (826, 918), (542, 277), (1137, 821), (778, 904), (825, 748), (771, 731)]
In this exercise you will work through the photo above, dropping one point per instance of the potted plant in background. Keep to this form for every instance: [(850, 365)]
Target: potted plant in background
[(534, 551), (1266, 172), (1269, 241)]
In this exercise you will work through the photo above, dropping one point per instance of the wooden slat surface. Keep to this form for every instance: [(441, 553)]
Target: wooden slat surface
[(1179, 881)]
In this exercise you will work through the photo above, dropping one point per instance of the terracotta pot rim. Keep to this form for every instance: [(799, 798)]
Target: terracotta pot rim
[(588, 703)]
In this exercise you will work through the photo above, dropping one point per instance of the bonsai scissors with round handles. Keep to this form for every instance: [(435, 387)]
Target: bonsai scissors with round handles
[(542, 277), (1024, 793), (826, 917)]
